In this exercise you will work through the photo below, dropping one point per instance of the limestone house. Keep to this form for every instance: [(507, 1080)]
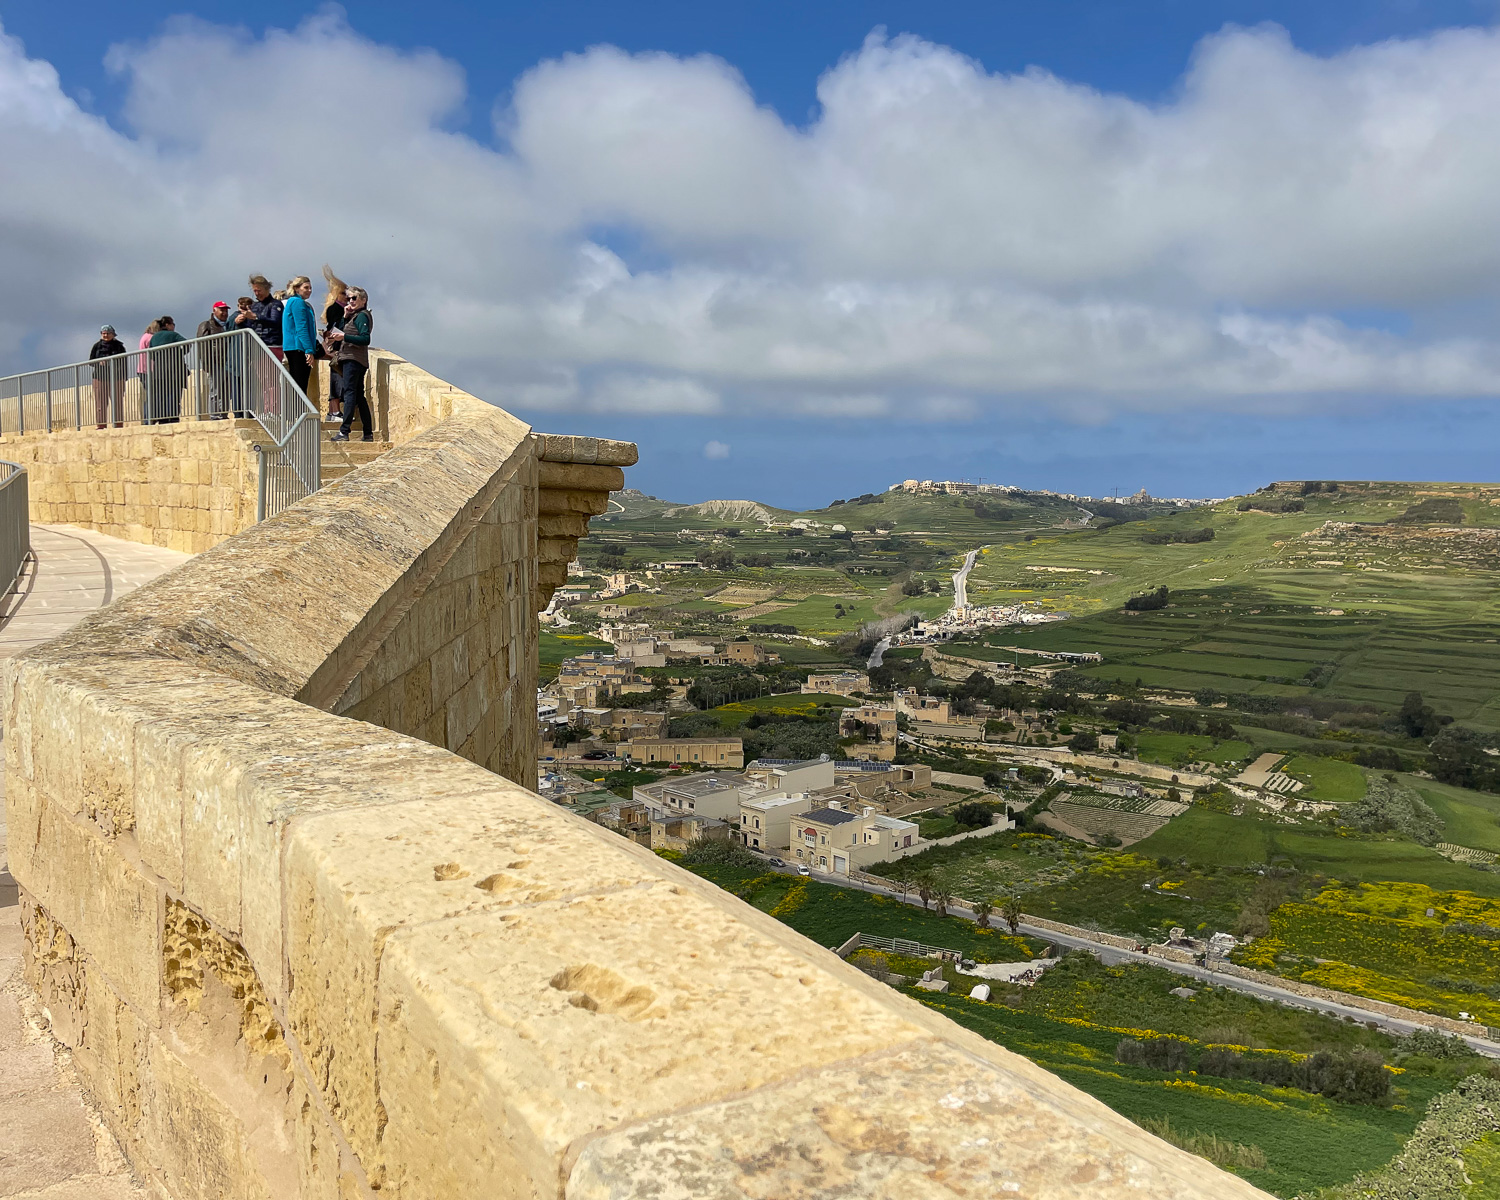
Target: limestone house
[(678, 831), (838, 840), (706, 752), (928, 709), (799, 775), (766, 820), (840, 683), (290, 899), (715, 795), (876, 724)]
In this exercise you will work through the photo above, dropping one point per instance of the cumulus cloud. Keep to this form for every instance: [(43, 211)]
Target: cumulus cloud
[(936, 241), (716, 450)]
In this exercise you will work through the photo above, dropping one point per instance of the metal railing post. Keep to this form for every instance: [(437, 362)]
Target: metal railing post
[(260, 486)]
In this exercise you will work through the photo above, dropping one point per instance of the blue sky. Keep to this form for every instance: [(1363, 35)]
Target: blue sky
[(943, 263)]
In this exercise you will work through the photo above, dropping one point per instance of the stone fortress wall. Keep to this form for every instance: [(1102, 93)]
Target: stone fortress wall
[(290, 901), (186, 487)]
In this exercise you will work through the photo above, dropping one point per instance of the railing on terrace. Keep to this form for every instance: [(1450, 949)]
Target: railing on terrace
[(218, 378), (15, 524)]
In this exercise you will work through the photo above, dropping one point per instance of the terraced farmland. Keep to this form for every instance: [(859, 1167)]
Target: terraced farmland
[(1331, 598)]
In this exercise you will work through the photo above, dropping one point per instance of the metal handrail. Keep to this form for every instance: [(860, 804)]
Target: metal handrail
[(15, 524), (223, 375)]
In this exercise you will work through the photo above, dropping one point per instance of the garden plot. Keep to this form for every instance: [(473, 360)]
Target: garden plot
[(1128, 826), (1464, 853)]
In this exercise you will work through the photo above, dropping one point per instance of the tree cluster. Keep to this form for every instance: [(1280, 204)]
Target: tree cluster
[(1268, 505), (1148, 601), (1351, 1077), (1187, 537), (1391, 807)]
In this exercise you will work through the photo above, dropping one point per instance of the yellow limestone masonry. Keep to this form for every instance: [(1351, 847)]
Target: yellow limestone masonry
[(289, 898)]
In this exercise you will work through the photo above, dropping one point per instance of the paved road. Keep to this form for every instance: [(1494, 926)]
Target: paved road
[(1249, 987), (961, 581), (52, 1143)]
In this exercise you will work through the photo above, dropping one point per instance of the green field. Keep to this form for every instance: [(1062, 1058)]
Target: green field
[(1207, 838), (732, 716), (1327, 778), (1179, 749), (1469, 818), (830, 915), (553, 647), (1309, 1142)]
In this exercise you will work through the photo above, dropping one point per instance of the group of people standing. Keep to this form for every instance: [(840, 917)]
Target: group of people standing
[(284, 321)]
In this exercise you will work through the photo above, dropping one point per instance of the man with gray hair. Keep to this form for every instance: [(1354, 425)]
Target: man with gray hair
[(264, 316), (108, 354)]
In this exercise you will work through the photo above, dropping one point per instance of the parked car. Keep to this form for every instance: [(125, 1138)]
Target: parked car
[(803, 871), (596, 754), (776, 862)]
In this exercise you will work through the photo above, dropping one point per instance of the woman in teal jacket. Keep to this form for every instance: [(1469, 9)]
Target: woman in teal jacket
[(299, 331)]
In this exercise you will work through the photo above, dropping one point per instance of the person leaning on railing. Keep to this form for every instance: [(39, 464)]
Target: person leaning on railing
[(352, 360), (109, 377), (168, 374), (211, 358)]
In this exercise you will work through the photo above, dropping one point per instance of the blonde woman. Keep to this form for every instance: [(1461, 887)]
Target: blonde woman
[(299, 331), (333, 318)]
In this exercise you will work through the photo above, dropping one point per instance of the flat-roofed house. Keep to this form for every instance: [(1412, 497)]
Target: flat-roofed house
[(708, 752), (718, 794), (839, 840), (766, 820)]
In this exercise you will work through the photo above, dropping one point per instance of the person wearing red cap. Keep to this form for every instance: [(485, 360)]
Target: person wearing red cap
[(214, 360)]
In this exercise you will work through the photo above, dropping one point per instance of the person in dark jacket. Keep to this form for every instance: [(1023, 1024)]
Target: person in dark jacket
[(265, 315), (333, 318), (168, 374), (213, 359), (218, 321), (352, 360), (109, 377)]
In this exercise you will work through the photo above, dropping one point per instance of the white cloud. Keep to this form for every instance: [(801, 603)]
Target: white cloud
[(937, 240), (716, 450)]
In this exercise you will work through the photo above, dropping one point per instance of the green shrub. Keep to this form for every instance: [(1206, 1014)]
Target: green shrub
[(1391, 807), (714, 852)]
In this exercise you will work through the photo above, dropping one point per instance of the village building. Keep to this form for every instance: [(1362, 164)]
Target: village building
[(766, 820), (838, 840), (928, 709), (707, 752), (876, 724), (718, 794), (843, 683)]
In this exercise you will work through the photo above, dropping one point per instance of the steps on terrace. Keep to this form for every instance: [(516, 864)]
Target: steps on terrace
[(339, 458)]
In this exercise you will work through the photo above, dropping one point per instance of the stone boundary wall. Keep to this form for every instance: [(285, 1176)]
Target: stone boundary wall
[(1091, 935), (299, 954), (1313, 991), (186, 487)]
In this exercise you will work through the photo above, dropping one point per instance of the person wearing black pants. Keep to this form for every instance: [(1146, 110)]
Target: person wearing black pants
[(353, 361)]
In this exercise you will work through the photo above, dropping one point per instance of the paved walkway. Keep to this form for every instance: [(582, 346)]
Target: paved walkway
[(53, 1146)]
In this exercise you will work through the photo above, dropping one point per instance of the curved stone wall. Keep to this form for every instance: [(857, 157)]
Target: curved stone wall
[(304, 943)]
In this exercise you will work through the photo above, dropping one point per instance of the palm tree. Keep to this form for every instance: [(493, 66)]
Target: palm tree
[(943, 900), (924, 889), (1011, 911), (982, 911)]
